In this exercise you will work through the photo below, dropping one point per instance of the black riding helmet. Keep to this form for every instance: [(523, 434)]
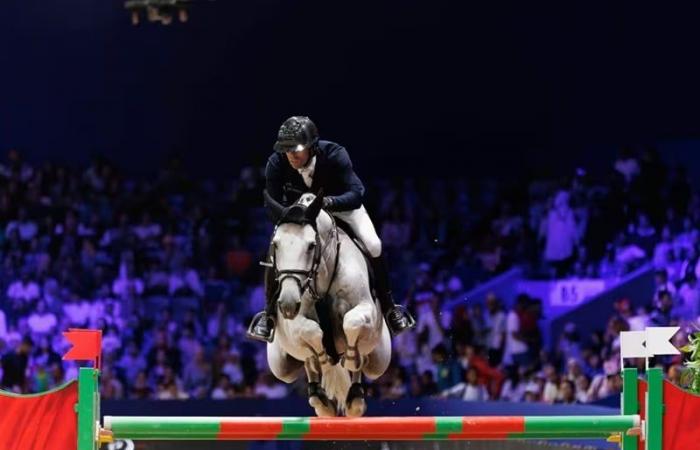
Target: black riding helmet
[(296, 134)]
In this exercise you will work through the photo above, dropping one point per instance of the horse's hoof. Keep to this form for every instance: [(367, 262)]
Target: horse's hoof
[(323, 407), (355, 401), (357, 408)]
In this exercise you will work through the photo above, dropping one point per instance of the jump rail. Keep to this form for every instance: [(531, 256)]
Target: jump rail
[(654, 415), (368, 428)]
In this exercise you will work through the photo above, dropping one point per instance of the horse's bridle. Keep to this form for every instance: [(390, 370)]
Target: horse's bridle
[(306, 279)]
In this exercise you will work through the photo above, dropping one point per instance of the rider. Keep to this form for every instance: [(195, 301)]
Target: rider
[(301, 163)]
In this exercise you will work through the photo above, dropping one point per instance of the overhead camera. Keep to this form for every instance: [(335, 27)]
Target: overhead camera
[(163, 11)]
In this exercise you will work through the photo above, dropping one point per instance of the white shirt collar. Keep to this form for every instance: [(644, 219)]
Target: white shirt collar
[(307, 172)]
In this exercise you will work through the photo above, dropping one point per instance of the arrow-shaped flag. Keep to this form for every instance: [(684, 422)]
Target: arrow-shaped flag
[(651, 342)]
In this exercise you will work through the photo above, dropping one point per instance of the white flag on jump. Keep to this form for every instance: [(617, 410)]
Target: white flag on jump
[(650, 342), (632, 344), (658, 341)]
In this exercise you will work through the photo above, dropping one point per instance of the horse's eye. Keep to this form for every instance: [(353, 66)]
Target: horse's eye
[(312, 246)]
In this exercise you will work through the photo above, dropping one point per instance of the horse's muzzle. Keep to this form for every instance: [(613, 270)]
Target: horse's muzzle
[(289, 308)]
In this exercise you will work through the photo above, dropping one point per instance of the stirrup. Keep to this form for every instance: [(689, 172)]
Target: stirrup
[(251, 327), (411, 321)]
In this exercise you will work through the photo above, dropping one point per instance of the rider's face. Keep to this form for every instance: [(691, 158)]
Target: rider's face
[(298, 159)]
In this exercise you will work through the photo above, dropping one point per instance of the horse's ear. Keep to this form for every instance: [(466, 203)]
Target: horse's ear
[(315, 207), (275, 209)]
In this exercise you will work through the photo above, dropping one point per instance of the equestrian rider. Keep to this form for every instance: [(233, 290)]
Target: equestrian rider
[(301, 163)]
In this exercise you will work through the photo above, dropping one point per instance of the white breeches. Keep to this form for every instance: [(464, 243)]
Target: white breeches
[(362, 226)]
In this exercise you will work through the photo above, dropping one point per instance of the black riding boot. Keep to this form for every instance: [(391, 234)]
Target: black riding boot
[(397, 317), (262, 327)]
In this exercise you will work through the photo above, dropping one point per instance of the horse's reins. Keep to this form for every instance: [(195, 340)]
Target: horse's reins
[(310, 282)]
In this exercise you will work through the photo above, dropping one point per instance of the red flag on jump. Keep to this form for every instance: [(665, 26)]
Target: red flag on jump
[(87, 345)]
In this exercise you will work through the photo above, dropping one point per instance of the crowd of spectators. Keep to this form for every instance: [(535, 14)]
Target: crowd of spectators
[(167, 268)]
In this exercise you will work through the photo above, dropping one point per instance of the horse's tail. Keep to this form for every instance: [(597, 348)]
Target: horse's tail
[(336, 382)]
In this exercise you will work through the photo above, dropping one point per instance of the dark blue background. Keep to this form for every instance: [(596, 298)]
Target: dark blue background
[(479, 87)]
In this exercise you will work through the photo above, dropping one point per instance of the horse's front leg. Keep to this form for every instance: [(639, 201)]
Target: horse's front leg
[(315, 365), (355, 401), (359, 325)]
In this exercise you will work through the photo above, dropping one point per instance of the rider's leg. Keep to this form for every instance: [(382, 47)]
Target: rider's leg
[(263, 324), (397, 317)]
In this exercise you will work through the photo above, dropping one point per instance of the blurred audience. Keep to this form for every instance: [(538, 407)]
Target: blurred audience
[(165, 266)]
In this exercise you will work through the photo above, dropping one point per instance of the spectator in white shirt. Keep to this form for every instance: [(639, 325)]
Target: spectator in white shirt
[(627, 252), (550, 394), (469, 390), (24, 292), (516, 349), (560, 232), (583, 384), (640, 320), (222, 388), (268, 387), (232, 367), (171, 391), (42, 322), (514, 388), (495, 329), (688, 298), (127, 286), (76, 310)]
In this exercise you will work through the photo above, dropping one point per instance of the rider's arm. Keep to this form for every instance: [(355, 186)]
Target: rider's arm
[(273, 185), (273, 178), (354, 189)]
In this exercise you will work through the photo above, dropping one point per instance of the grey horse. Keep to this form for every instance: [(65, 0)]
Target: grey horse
[(314, 260)]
